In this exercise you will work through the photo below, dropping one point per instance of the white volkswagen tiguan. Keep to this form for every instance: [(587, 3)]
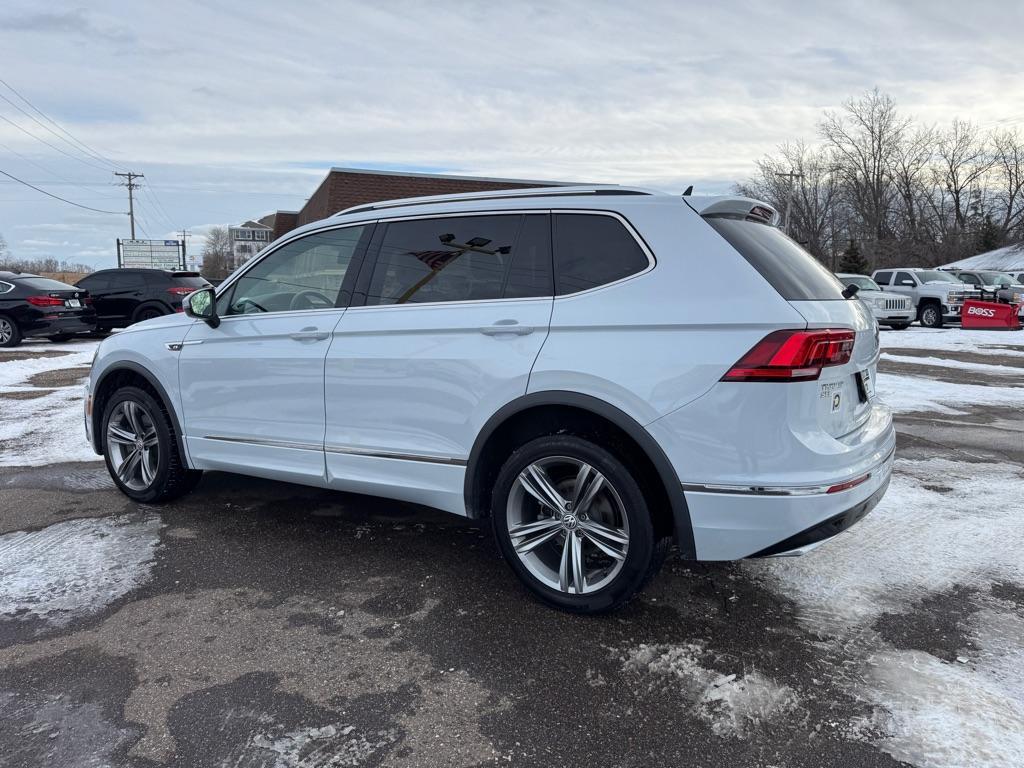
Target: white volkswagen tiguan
[(539, 357)]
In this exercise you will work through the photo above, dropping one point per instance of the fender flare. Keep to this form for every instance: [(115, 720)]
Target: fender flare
[(128, 365), (622, 420)]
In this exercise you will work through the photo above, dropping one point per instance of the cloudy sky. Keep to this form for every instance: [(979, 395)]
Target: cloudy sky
[(233, 110)]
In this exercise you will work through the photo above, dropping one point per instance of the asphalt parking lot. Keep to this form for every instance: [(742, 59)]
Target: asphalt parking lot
[(263, 624)]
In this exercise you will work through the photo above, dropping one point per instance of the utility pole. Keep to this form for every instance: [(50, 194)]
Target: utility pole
[(131, 187), (184, 235), (792, 176)]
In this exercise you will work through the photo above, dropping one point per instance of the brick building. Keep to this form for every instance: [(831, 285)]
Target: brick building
[(345, 187)]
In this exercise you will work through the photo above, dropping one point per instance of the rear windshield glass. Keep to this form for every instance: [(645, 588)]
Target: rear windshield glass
[(791, 270), (190, 282), (45, 284)]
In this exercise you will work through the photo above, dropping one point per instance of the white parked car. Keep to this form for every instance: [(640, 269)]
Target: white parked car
[(534, 356), (889, 309)]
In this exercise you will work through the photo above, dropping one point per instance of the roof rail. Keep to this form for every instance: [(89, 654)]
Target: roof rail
[(497, 195)]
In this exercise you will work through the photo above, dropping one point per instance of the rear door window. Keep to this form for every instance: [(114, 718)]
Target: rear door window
[(592, 250), (790, 269), (462, 258)]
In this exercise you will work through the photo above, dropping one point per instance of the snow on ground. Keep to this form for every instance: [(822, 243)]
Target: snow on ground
[(733, 705), (907, 394), (963, 365), (74, 569), (1005, 343), (48, 429)]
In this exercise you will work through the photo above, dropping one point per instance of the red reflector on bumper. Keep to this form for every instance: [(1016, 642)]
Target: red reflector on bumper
[(848, 484)]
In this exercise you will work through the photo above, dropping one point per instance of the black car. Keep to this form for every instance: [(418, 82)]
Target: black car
[(31, 305), (126, 296)]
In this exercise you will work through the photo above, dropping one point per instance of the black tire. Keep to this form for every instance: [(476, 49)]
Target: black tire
[(147, 313), (900, 326), (171, 477), (99, 333), (931, 316), (60, 338), (10, 333), (644, 553)]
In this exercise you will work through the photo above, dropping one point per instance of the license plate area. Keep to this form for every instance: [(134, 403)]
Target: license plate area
[(73, 303), (865, 385)]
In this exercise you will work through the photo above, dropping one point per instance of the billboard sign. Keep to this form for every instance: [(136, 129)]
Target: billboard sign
[(150, 254)]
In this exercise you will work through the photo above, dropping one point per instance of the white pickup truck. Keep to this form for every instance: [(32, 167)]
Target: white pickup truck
[(938, 297)]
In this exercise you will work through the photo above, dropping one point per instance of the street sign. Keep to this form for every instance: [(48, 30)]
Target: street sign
[(150, 254)]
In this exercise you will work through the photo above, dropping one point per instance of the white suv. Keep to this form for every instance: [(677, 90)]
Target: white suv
[(535, 356)]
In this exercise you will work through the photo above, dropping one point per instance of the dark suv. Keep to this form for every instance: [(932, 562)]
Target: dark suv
[(126, 296), (31, 305)]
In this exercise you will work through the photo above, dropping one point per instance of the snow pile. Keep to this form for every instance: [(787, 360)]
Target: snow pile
[(48, 429), (734, 706), (330, 746), (1009, 258), (74, 569)]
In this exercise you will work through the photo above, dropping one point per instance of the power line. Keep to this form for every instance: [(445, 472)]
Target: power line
[(47, 170), (51, 146), (53, 122), (56, 197)]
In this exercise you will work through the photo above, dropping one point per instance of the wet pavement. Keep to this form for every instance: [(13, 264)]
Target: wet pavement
[(254, 623)]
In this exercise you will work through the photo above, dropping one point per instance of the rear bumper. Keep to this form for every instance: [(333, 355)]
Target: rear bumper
[(59, 324), (778, 521)]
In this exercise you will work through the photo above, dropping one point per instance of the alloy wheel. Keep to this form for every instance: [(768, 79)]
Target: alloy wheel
[(6, 330), (133, 445), (568, 525)]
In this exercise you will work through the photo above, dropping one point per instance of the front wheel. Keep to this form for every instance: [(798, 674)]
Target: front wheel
[(60, 338), (10, 333), (572, 522), (900, 326), (141, 450), (931, 316)]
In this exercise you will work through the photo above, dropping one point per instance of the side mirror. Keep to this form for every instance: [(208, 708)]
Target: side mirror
[(908, 283), (202, 304)]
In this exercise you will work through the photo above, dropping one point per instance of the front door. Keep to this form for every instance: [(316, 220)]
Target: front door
[(456, 310), (252, 388)]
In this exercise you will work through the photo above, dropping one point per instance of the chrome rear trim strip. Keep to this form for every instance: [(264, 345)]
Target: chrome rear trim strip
[(267, 443)]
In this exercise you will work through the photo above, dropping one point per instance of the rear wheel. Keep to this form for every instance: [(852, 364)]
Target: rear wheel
[(148, 313), (573, 524), (141, 449), (931, 316), (900, 326), (10, 334)]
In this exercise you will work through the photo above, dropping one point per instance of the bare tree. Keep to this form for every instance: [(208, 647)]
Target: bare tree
[(1009, 180), (864, 140), (217, 254), (961, 163)]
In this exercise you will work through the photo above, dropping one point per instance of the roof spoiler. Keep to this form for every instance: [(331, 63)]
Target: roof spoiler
[(742, 207)]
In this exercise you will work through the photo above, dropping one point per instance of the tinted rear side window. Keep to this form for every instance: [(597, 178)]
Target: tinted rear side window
[(791, 270), (461, 258), (593, 250)]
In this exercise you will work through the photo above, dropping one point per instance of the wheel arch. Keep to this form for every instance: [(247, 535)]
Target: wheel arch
[(150, 304), (551, 412), (128, 373)]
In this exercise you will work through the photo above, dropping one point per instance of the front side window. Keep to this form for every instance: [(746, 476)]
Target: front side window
[(462, 258), (304, 274), (904, 278), (882, 278), (593, 250)]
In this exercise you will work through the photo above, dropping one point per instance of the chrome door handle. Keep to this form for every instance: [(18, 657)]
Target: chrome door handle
[(309, 335), (506, 326)]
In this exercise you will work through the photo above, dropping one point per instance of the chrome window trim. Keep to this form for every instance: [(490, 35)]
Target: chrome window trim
[(781, 490), (10, 287)]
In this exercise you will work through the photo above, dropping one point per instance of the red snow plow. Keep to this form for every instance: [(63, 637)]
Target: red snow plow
[(990, 316)]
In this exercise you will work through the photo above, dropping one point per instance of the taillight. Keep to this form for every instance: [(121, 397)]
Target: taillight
[(180, 290), (87, 301), (793, 355), (45, 301)]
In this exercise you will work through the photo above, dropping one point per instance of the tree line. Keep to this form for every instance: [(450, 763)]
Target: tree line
[(877, 189), (9, 263)]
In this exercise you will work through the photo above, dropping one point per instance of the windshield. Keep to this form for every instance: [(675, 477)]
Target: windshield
[(863, 283), (994, 278), (934, 276)]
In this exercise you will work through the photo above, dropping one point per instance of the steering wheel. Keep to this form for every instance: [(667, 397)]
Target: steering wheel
[(311, 298), (241, 304)]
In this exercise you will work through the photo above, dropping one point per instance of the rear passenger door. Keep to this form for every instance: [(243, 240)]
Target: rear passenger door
[(455, 310)]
